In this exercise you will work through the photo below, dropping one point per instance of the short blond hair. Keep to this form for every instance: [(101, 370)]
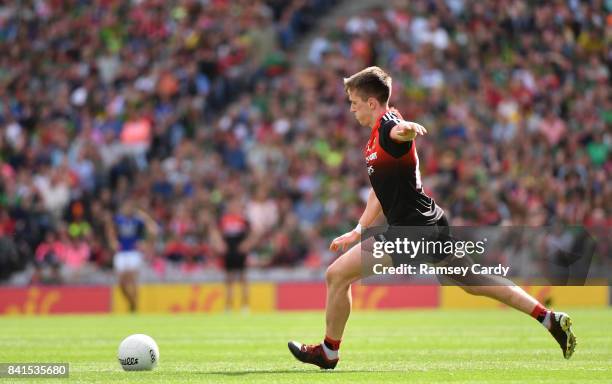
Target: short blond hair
[(370, 82)]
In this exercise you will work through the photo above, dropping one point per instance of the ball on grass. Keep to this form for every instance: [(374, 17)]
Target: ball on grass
[(138, 353)]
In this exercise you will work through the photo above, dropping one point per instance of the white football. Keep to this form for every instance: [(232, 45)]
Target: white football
[(138, 353)]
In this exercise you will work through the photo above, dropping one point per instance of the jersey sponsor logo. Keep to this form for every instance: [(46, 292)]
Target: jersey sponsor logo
[(371, 157)]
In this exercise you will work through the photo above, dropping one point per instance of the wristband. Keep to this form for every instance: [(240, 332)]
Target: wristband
[(358, 228)]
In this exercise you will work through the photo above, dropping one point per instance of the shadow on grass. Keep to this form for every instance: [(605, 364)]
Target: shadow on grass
[(285, 371)]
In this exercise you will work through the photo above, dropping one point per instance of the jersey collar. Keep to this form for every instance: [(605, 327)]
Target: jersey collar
[(377, 124)]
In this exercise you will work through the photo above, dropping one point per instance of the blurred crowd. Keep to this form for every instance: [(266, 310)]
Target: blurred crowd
[(179, 107)]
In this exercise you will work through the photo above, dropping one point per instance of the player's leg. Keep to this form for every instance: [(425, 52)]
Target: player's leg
[(136, 263), (338, 279), (505, 291), (229, 289), (339, 276), (121, 265), (245, 289), (127, 290), (127, 264), (229, 266), (558, 323), (130, 278)]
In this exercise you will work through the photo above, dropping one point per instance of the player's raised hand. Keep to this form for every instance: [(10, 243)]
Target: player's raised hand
[(407, 130), (409, 127), (344, 241), (416, 127)]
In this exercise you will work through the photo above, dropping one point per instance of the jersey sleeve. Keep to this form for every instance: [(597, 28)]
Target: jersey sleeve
[(395, 149)]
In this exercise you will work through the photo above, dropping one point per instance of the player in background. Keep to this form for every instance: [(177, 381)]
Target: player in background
[(126, 230), (393, 167), (237, 242)]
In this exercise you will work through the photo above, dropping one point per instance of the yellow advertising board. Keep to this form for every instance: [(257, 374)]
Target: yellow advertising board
[(554, 297), (176, 298)]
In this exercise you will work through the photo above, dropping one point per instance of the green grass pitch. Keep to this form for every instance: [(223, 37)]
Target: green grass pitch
[(435, 346)]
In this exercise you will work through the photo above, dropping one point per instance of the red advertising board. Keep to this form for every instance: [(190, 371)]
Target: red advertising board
[(45, 300), (304, 296)]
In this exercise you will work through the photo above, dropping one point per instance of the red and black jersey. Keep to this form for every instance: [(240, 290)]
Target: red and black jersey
[(393, 169), (234, 229)]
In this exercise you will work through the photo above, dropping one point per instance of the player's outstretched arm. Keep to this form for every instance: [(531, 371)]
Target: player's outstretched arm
[(150, 224), (110, 232), (371, 212), (406, 131)]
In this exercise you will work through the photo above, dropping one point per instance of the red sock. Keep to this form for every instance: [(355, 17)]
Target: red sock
[(539, 312), (332, 344)]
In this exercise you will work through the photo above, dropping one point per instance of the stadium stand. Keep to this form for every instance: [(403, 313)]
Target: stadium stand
[(182, 107)]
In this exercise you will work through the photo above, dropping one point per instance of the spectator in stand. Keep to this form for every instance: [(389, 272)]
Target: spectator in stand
[(48, 255)]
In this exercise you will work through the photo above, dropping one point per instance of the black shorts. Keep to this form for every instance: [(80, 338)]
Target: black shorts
[(235, 261), (439, 232)]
